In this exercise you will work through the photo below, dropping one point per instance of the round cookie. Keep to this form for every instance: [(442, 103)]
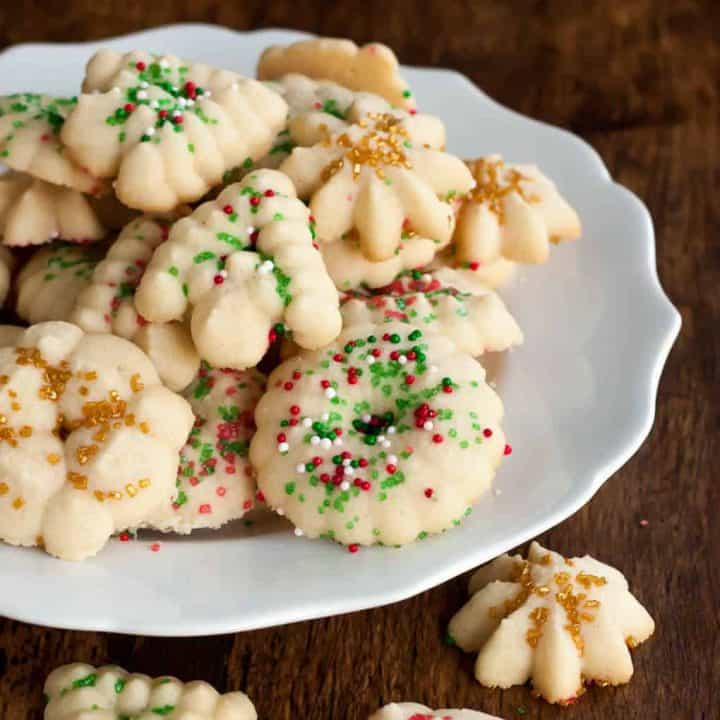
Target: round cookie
[(7, 266), (34, 212), (513, 212), (79, 691), (384, 436), (414, 711), (30, 126), (167, 129), (215, 481), (89, 439), (556, 621), (106, 304), (244, 269), (444, 301), (374, 181)]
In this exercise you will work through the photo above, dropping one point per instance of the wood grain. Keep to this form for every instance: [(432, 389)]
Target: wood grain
[(639, 80)]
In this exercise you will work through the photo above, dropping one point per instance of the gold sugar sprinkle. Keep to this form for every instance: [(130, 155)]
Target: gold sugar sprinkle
[(131, 490), (53, 458), (78, 481), (18, 503), (85, 452), (587, 580), (26, 431), (144, 483), (4, 489), (136, 385)]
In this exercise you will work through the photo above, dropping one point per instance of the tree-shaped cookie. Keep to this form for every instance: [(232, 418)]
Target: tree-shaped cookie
[(34, 212), (244, 268), (555, 621), (413, 711), (447, 301), (81, 692), (372, 67), (513, 212), (215, 481), (167, 129), (106, 304), (90, 439), (371, 180), (30, 127), (385, 435)]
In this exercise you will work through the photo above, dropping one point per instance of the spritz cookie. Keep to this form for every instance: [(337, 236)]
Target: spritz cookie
[(513, 212), (30, 127), (89, 438), (371, 180), (413, 711), (81, 692), (34, 212), (215, 482), (243, 266), (48, 285), (556, 621), (167, 129), (446, 301), (372, 67), (384, 436), (106, 304), (7, 266)]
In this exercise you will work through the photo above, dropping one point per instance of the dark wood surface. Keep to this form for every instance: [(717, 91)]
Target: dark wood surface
[(640, 80)]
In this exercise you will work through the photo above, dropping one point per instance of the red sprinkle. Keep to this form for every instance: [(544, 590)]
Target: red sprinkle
[(269, 193), (487, 432), (281, 437), (128, 107), (428, 492), (474, 265), (409, 379), (294, 409), (140, 65), (365, 485), (353, 548), (162, 113), (124, 537), (220, 491), (247, 504), (218, 279), (325, 384), (205, 509), (362, 462), (437, 438), (447, 389), (337, 357), (288, 386), (228, 209), (254, 201), (260, 496), (391, 469), (508, 449), (178, 119), (155, 547), (296, 375)]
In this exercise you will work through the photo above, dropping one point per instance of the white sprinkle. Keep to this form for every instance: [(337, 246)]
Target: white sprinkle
[(370, 359), (386, 444), (300, 467), (391, 430), (283, 447), (392, 459), (381, 438), (366, 418), (349, 470), (207, 94), (427, 425), (325, 417), (346, 462), (344, 485), (337, 441), (181, 101), (426, 277), (150, 131), (189, 102), (249, 230), (163, 63), (325, 443), (141, 95), (144, 84), (330, 393), (265, 267), (154, 104), (298, 532), (402, 360), (315, 440), (307, 422), (280, 511)]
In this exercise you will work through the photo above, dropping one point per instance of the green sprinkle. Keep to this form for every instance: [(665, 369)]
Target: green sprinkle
[(173, 271), (289, 488), (87, 681), (163, 710)]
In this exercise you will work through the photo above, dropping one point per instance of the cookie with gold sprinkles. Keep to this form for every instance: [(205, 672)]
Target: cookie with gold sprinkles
[(49, 283), (375, 182), (445, 301), (414, 711), (106, 304), (372, 67), (244, 268), (215, 481), (34, 212), (89, 439), (384, 436), (79, 691), (167, 129), (513, 212), (559, 622)]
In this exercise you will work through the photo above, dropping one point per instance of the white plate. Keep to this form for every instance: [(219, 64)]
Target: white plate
[(580, 395)]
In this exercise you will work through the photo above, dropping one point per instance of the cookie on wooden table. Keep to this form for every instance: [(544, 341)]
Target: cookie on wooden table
[(413, 711)]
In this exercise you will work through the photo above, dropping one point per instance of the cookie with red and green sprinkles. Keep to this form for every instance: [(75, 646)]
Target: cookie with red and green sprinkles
[(244, 269), (30, 126), (384, 436), (166, 129), (442, 300), (215, 482)]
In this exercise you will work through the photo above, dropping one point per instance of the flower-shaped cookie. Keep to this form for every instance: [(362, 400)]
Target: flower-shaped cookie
[(215, 482), (451, 302), (49, 283), (89, 439), (384, 436), (7, 265), (80, 692), (373, 67), (245, 269), (30, 128), (372, 179), (413, 711), (513, 212), (167, 129), (34, 212), (553, 620), (106, 304)]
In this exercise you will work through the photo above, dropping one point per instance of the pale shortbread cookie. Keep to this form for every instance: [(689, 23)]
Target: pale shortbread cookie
[(83, 692), (167, 129), (372, 67), (49, 283), (492, 274), (444, 301), (90, 440), (106, 304), (384, 436), (243, 266), (413, 711), (374, 181), (30, 142), (514, 212), (34, 212), (215, 482), (7, 266), (555, 621)]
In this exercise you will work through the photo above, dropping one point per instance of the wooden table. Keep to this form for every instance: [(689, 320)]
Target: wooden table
[(640, 81)]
